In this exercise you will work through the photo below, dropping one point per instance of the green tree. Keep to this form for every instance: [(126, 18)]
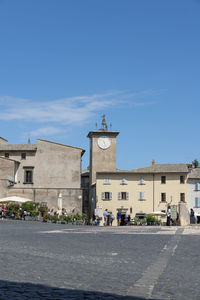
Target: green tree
[(195, 163)]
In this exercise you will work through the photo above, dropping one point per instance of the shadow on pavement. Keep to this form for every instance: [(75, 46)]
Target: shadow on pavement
[(21, 290)]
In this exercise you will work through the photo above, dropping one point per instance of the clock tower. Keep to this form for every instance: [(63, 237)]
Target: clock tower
[(102, 150)]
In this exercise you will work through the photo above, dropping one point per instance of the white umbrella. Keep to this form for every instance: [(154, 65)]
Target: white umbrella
[(15, 199), (157, 213)]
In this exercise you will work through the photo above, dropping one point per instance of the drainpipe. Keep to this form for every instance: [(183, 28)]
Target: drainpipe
[(153, 193)]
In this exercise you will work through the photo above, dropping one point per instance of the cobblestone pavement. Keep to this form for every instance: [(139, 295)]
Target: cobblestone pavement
[(53, 261)]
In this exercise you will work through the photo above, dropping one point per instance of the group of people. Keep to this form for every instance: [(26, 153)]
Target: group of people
[(108, 217)]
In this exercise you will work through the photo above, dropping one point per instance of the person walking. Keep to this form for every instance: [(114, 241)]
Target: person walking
[(168, 216), (119, 216), (105, 216)]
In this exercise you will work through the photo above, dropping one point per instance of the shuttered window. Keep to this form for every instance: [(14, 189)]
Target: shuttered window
[(123, 196), (106, 196), (123, 180), (197, 186), (141, 180), (197, 202), (106, 181), (141, 195)]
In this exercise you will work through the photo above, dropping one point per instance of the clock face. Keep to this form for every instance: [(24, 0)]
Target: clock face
[(104, 142)]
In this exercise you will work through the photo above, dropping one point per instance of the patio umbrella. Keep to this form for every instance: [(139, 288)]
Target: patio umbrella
[(15, 199), (157, 213)]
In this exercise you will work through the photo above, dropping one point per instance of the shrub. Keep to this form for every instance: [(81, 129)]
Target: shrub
[(30, 206), (12, 209), (34, 213), (54, 218), (68, 219)]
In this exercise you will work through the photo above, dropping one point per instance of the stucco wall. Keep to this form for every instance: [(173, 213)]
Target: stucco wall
[(57, 166), (102, 160), (72, 198), (29, 161), (7, 168), (193, 193), (152, 190)]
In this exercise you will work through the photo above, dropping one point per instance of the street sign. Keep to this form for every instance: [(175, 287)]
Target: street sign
[(174, 212)]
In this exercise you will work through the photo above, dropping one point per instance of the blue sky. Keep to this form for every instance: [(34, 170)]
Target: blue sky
[(63, 63)]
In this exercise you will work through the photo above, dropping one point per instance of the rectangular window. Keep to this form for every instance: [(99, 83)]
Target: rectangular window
[(141, 180), (106, 195), (163, 179), (23, 155), (123, 180), (7, 155), (123, 196), (182, 179), (163, 197), (28, 174), (106, 181), (197, 186), (182, 197), (197, 202), (141, 195)]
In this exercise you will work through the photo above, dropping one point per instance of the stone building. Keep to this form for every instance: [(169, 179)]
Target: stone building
[(138, 191), (194, 192), (41, 172), (142, 191)]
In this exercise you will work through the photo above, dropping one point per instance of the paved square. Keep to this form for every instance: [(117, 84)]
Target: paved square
[(53, 261)]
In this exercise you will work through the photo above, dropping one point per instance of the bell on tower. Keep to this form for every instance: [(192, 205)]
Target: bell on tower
[(103, 123)]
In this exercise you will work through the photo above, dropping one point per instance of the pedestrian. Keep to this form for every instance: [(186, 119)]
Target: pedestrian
[(129, 219), (25, 214), (125, 219), (168, 216), (192, 217), (111, 218), (119, 215), (105, 216)]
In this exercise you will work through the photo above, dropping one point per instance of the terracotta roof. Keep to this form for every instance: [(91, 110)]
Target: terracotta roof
[(163, 168), (157, 168), (195, 173)]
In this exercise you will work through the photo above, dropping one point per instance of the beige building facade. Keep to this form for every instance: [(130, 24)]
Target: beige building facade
[(143, 190), (41, 172)]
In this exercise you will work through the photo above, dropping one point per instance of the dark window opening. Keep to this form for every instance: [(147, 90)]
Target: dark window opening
[(23, 156), (163, 179), (107, 195), (182, 197), (28, 175), (163, 197), (123, 195), (7, 155), (182, 179)]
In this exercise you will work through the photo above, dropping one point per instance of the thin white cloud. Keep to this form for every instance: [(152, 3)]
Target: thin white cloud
[(45, 131), (68, 111)]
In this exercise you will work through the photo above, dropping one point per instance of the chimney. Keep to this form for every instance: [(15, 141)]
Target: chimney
[(153, 162)]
